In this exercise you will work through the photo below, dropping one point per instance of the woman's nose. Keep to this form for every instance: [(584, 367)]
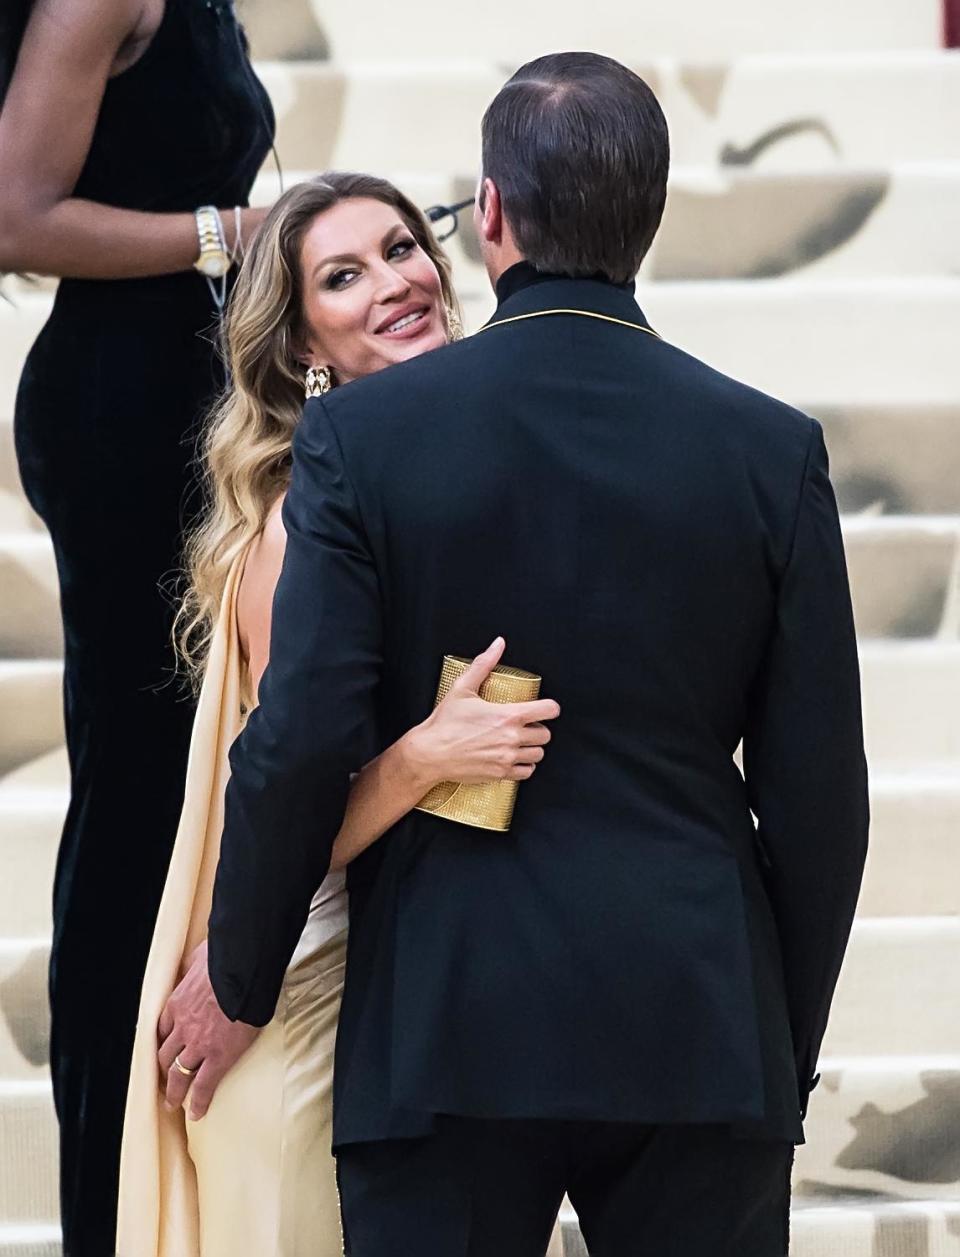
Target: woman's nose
[(391, 285)]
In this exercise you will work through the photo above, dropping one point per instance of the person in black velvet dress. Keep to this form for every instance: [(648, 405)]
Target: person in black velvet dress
[(119, 119)]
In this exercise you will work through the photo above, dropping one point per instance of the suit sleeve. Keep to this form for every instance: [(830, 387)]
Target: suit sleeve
[(314, 726), (805, 767)]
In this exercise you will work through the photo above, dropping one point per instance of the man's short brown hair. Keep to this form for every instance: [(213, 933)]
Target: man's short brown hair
[(578, 147)]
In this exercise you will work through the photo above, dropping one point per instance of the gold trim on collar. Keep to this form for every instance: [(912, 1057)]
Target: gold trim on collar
[(586, 314)]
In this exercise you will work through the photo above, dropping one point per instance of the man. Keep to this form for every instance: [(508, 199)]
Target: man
[(623, 998)]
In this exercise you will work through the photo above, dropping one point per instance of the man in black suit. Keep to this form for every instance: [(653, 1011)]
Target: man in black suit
[(624, 997)]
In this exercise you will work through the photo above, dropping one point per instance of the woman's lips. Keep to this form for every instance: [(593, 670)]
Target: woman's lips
[(418, 322)]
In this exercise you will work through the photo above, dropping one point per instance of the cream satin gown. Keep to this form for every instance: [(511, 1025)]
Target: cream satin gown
[(256, 1175)]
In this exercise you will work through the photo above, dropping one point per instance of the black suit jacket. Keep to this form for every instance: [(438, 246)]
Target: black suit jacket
[(661, 544)]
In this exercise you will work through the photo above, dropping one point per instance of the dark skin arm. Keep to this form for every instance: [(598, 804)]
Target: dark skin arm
[(70, 50)]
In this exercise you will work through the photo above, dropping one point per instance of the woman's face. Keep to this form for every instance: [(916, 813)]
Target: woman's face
[(371, 296)]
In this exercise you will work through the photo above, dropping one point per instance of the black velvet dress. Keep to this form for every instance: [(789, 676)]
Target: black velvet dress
[(109, 405)]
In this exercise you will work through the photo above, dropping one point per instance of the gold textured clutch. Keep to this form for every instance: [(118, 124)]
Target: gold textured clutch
[(490, 804)]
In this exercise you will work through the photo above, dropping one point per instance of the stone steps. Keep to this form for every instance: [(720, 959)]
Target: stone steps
[(734, 223), (883, 1127), (28, 1149), (899, 460), (512, 33), (904, 575), (890, 1000), (872, 110), (839, 340), (849, 1227), (38, 1240), (911, 693), (32, 706), (840, 176), (30, 610), (914, 836), (890, 459), (881, 1132), (30, 824), (903, 570), (914, 846)]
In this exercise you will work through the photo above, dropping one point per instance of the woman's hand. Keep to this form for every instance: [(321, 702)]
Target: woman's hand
[(469, 740)]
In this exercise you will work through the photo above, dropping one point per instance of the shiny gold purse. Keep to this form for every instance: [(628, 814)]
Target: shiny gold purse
[(490, 804)]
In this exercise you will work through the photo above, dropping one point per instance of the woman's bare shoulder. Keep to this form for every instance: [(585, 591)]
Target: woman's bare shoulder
[(261, 571)]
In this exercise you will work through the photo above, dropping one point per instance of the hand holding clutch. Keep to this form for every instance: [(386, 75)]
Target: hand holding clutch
[(488, 805)]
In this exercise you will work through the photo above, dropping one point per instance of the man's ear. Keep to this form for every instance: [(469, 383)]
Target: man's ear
[(490, 212)]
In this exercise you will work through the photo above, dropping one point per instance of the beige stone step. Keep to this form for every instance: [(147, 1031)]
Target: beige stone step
[(914, 846), (884, 1127), (819, 338), (511, 32), (28, 1154), (750, 224), (24, 1012), (15, 513), (858, 1228), (903, 570), (895, 460), (30, 610), (841, 340), (894, 997), (911, 697), (880, 1128), (781, 113), (730, 223), (35, 1240), (791, 337), (849, 1227), (30, 825), (32, 707)]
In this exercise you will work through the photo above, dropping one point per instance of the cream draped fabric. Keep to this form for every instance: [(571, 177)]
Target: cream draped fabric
[(256, 1174)]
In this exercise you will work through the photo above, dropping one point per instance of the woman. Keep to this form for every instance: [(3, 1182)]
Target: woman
[(119, 120), (343, 279)]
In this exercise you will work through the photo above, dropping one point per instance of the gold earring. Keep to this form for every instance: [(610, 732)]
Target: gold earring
[(319, 381), (454, 325)]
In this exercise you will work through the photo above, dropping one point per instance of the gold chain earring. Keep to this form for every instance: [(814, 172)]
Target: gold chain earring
[(454, 324), (319, 381)]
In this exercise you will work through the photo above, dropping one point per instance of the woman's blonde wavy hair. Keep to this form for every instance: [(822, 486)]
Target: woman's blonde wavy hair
[(245, 448)]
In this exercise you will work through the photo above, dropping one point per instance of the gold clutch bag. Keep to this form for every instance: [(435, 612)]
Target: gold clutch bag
[(490, 804)]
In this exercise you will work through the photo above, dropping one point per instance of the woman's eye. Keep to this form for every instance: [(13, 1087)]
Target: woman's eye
[(401, 247), (339, 278)]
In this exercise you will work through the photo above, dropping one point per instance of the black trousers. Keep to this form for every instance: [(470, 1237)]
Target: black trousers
[(105, 460), (493, 1189)]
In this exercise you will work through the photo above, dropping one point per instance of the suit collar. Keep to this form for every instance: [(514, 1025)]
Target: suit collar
[(524, 290)]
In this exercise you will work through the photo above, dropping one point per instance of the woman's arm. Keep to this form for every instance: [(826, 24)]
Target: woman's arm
[(463, 739), (69, 51)]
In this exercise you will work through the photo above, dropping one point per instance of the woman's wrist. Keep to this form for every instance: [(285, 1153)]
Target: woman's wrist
[(415, 760)]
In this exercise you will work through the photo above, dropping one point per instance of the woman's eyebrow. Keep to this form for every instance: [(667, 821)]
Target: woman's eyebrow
[(339, 258)]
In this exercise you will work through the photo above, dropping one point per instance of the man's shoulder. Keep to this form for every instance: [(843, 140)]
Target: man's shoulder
[(746, 411), (397, 390)]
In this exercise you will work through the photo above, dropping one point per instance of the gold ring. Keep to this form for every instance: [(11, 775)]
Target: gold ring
[(182, 1068)]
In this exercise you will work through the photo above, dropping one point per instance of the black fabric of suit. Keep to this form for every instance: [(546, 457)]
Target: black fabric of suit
[(662, 545), (479, 1188)]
